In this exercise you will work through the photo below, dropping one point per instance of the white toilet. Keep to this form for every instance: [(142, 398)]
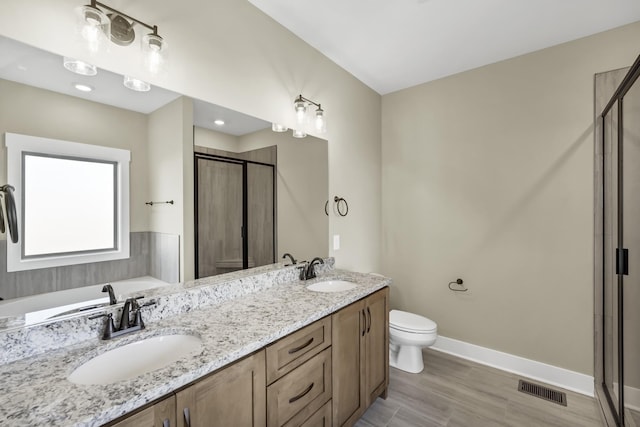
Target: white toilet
[(408, 334)]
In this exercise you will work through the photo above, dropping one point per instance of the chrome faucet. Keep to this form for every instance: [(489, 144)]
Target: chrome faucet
[(308, 271), (112, 297), (293, 260)]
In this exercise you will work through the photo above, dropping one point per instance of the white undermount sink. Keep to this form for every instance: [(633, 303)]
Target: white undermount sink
[(136, 358), (331, 286)]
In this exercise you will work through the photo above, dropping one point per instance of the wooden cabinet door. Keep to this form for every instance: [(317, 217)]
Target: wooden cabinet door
[(347, 337), (162, 414), (234, 396), (377, 345)]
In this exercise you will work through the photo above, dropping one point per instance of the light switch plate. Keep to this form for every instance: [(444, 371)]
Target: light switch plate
[(336, 242)]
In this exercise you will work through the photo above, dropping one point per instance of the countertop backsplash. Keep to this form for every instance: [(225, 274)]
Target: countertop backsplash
[(21, 342)]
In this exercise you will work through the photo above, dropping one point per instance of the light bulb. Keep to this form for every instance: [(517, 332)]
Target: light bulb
[(154, 50), (94, 27), (277, 127), (79, 67), (82, 87), (136, 84), (301, 110), (321, 121), (298, 133)]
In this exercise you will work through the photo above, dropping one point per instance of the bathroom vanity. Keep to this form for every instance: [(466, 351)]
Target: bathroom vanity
[(273, 353)]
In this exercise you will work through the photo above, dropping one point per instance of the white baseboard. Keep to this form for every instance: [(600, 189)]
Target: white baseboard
[(560, 377), (631, 396)]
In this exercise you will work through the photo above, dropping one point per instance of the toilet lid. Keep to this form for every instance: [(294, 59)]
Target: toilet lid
[(410, 322)]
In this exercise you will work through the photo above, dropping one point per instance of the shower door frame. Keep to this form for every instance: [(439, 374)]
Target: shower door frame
[(621, 263), (245, 205)]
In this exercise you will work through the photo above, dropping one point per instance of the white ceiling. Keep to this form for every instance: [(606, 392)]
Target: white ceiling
[(35, 67), (394, 44)]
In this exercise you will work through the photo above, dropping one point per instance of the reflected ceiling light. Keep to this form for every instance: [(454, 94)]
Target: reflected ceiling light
[(298, 133), (79, 67), (82, 87), (300, 106), (218, 122), (95, 26), (276, 127), (136, 84)]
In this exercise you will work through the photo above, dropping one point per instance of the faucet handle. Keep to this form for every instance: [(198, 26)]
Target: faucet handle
[(109, 327), (137, 320)]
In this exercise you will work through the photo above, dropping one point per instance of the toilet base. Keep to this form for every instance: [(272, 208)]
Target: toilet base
[(407, 358)]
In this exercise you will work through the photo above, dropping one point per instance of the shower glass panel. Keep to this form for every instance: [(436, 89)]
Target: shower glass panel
[(631, 220), (219, 217), (621, 249)]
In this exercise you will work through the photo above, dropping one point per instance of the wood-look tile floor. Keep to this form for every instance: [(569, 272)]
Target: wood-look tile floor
[(454, 392)]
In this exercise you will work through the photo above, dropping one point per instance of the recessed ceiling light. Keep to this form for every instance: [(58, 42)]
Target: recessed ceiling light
[(219, 122), (79, 67), (136, 84), (82, 87)]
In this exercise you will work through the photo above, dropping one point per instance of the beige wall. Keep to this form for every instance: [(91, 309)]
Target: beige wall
[(32, 111), (302, 191), (488, 176), (170, 154), (258, 69)]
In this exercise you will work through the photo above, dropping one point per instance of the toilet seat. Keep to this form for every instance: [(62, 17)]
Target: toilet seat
[(412, 323)]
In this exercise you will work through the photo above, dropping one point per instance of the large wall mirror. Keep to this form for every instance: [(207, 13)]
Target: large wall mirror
[(257, 195)]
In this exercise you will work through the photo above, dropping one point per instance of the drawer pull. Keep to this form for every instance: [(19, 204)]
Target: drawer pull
[(187, 417), (301, 395), (369, 314), (297, 349), (364, 323)]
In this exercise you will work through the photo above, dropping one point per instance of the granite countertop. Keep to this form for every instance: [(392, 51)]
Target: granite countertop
[(34, 391)]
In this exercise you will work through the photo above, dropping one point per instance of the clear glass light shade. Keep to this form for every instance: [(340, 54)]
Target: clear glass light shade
[(94, 27), (320, 121), (154, 52), (136, 84), (301, 111), (79, 67), (277, 127), (299, 133)]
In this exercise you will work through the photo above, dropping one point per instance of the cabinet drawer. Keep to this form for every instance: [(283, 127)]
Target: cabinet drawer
[(295, 349), (321, 418), (304, 389)]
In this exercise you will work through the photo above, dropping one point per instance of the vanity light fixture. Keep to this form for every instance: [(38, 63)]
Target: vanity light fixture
[(301, 105), (79, 67), (97, 26), (277, 127), (136, 84)]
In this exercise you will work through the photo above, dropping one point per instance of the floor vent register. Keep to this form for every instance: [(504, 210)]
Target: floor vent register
[(543, 392)]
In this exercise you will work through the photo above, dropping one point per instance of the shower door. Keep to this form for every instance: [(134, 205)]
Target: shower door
[(234, 214), (621, 250)]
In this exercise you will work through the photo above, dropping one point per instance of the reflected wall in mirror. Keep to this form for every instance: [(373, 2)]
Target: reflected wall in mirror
[(160, 128), (235, 172)]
